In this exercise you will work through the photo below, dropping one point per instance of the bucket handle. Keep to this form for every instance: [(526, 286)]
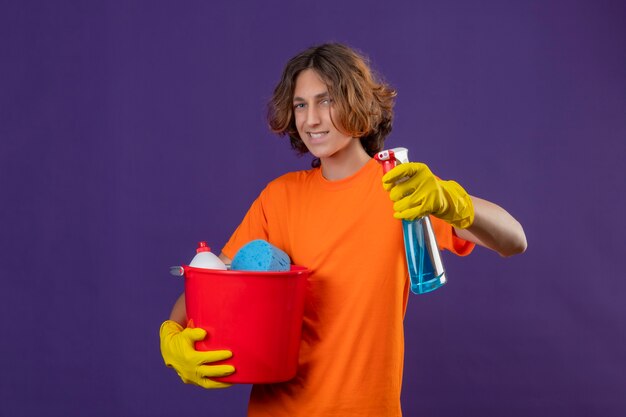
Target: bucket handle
[(177, 271)]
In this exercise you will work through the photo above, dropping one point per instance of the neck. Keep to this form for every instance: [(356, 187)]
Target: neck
[(344, 163)]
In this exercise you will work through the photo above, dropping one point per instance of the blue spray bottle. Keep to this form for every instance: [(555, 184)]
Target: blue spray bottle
[(420, 244)]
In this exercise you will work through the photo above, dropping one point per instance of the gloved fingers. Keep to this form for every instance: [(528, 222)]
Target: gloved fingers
[(219, 355), (411, 213), (200, 357), (401, 171), (388, 186), (408, 202), (204, 382), (194, 334), (214, 371), (210, 384), (421, 183), (400, 191)]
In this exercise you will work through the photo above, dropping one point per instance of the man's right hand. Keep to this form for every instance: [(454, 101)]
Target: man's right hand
[(177, 349)]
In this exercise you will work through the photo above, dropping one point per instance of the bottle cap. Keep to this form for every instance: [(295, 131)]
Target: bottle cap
[(203, 247)]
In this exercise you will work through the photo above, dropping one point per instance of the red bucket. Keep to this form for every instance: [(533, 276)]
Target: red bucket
[(256, 315)]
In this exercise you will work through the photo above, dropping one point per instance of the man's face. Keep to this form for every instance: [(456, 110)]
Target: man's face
[(313, 112)]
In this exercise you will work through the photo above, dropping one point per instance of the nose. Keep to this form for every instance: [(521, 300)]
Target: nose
[(312, 115)]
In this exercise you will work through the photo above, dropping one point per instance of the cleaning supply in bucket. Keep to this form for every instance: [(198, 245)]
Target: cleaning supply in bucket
[(420, 244), (204, 258), (260, 255)]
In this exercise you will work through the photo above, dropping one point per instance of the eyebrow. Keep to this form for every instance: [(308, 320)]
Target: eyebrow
[(317, 96)]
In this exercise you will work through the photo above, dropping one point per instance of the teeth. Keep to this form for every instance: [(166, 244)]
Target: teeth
[(317, 135)]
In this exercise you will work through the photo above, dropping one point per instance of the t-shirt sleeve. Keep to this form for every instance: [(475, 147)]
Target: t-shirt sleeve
[(447, 239), (253, 226)]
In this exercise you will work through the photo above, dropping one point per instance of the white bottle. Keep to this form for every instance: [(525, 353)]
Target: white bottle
[(206, 259)]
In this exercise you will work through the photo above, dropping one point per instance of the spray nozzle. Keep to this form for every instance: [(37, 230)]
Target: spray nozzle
[(389, 158), (386, 155), (401, 154)]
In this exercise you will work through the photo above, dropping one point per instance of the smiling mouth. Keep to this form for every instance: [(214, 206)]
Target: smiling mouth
[(317, 135)]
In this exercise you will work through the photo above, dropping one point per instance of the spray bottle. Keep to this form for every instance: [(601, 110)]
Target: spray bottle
[(420, 244)]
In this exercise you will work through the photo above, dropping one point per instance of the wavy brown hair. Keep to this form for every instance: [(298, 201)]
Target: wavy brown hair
[(363, 103)]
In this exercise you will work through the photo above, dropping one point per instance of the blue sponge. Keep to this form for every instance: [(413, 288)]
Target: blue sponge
[(259, 255)]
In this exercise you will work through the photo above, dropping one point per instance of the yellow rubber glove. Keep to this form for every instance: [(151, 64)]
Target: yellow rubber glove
[(177, 349), (416, 192)]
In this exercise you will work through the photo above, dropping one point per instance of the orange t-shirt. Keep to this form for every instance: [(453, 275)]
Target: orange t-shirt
[(352, 348)]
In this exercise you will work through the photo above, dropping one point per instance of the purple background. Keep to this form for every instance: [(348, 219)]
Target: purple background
[(129, 131)]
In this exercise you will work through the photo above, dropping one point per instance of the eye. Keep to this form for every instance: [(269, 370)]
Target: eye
[(298, 106), (326, 102)]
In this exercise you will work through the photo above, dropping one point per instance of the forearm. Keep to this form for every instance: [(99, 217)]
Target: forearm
[(494, 228), (179, 312)]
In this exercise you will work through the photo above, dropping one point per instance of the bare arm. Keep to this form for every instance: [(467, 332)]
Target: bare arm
[(495, 229), (179, 312)]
